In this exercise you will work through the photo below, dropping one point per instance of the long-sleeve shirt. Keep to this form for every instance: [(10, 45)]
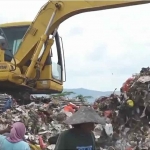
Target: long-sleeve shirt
[(6, 145), (73, 140)]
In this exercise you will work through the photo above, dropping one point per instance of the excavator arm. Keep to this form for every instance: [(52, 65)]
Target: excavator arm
[(33, 67), (53, 13)]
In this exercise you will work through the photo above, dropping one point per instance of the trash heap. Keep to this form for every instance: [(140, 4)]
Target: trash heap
[(43, 119), (127, 115)]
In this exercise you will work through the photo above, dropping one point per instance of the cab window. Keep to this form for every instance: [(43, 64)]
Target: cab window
[(14, 36)]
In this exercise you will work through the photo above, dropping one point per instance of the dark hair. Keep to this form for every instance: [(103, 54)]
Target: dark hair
[(76, 125)]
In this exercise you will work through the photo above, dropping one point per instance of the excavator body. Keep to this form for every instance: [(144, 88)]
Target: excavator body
[(50, 80), (36, 64)]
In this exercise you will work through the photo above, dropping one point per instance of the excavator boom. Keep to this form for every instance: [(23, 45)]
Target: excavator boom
[(32, 68), (67, 9)]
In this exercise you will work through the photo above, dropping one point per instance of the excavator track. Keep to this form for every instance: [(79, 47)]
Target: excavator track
[(18, 92)]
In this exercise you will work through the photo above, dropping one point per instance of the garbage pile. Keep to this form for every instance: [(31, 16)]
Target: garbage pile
[(127, 115), (43, 118)]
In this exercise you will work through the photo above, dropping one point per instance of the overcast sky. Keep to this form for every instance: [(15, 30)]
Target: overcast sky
[(102, 48)]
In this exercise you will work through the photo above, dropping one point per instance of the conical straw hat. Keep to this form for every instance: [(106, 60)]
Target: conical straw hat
[(85, 115)]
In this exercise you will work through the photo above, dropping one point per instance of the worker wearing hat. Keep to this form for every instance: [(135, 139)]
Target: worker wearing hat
[(130, 106), (80, 136)]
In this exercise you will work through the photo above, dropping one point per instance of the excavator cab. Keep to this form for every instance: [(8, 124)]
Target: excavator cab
[(50, 79), (13, 34)]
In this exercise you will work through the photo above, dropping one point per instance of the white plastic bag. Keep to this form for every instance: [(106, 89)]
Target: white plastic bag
[(109, 129)]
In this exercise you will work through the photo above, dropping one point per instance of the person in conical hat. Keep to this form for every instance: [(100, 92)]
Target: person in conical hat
[(80, 136), (85, 115)]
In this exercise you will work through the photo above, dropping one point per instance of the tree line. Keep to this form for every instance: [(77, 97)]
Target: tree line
[(67, 93)]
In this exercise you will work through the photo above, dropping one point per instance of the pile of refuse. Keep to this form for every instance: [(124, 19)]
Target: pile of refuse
[(43, 119), (127, 115)]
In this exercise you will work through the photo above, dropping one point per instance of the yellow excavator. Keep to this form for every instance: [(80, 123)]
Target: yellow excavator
[(31, 53)]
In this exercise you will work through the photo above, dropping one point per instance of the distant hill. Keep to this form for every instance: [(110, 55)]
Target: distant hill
[(88, 92)]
